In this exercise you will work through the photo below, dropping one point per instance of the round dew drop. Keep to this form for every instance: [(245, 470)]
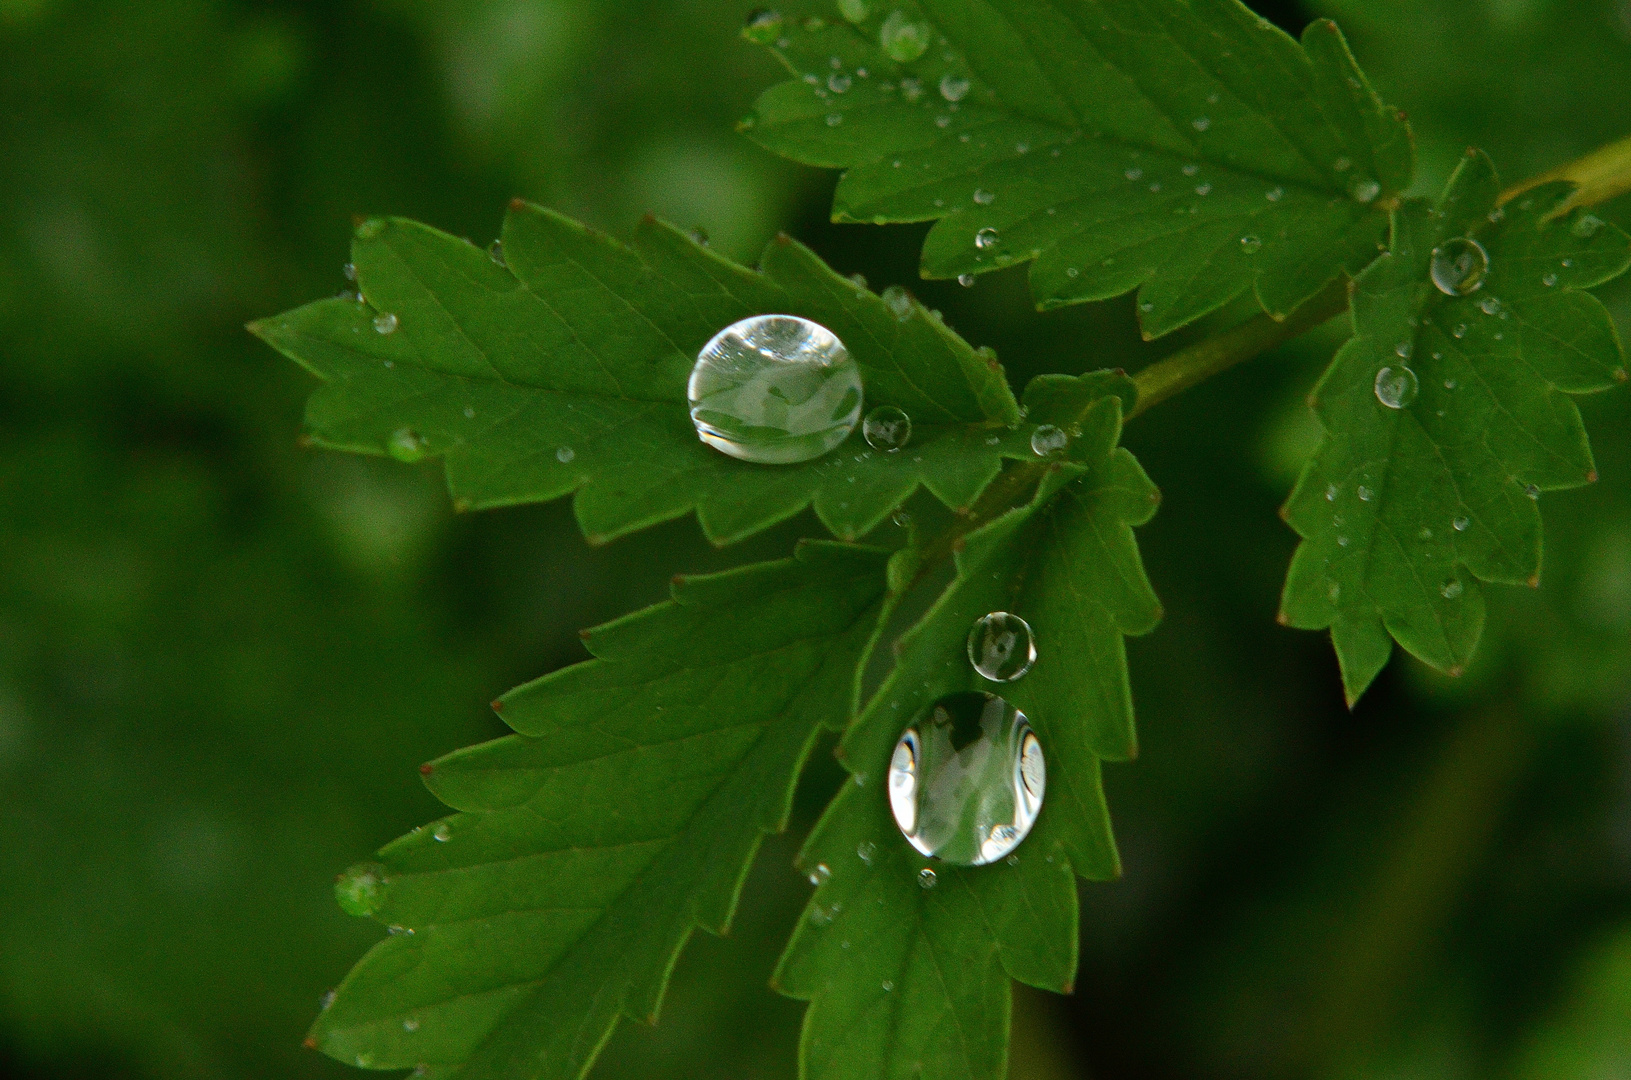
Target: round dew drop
[(386, 323), (406, 445), (1451, 590), (966, 280), (966, 781), (903, 39), (1396, 387), (1001, 647), (774, 390), (1459, 266), (984, 197), (953, 87), (565, 454), (985, 238), (887, 428), (360, 891), (1048, 439)]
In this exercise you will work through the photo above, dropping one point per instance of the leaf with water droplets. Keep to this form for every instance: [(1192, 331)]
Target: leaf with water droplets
[(1452, 467), (1154, 133), (623, 814), (580, 341), (1068, 564)]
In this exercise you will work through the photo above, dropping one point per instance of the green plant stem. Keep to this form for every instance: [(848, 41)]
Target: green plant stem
[(1603, 174)]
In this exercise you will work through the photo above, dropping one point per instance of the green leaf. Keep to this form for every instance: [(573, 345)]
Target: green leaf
[(624, 813), (1402, 509), (565, 371), (907, 981), (1119, 143)]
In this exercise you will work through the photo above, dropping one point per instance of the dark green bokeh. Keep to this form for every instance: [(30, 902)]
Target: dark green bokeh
[(222, 656)]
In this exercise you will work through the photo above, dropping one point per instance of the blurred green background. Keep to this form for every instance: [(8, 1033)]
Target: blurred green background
[(222, 656)]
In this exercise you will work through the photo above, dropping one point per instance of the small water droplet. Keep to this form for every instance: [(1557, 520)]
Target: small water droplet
[(1001, 647), (985, 238), (1587, 226), (886, 428), (1451, 590), (774, 389), (1532, 491), (1396, 387), (926, 878), (350, 271), (1489, 305), (565, 454), (1071, 271), (386, 323), (854, 10), (1201, 123), (1155, 187), (1364, 191), (984, 197), (1334, 591), (1342, 541), (1460, 330), (1460, 524), (888, 985), (1425, 534), (820, 874), (1134, 173), (953, 87), (495, 252), (1341, 164), (898, 301), (1331, 492), (1459, 266), (1403, 349), (327, 1000), (1275, 194), (469, 412), (838, 82), (902, 518), (1365, 494), (903, 39), (441, 833), (865, 851), (834, 119), (1203, 189), (410, 1024), (1048, 439), (1022, 149), (406, 444), (1497, 214), (1191, 169), (1251, 244), (1146, 305), (763, 26), (360, 891), (1549, 280), (1449, 384)]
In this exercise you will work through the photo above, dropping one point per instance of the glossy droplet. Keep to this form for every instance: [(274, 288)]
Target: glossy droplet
[(1451, 590), (1403, 349), (903, 39), (898, 301), (406, 444), (1460, 331), (1251, 245), (360, 891), (820, 874), (838, 82), (886, 428), (1275, 194), (985, 238), (442, 833), (1365, 494), (966, 280), (386, 323), (1549, 280), (1201, 123), (984, 197), (926, 878), (495, 252), (1396, 387), (775, 389), (953, 87), (1460, 524), (350, 271), (1532, 491), (1459, 266), (763, 26), (1001, 647), (834, 119), (1048, 439), (1490, 305), (966, 781), (854, 10), (565, 454), (865, 851)]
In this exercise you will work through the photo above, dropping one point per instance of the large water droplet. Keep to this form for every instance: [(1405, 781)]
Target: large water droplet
[(986, 237), (360, 890), (1048, 439), (966, 781), (775, 389), (763, 26), (854, 10), (406, 444), (953, 87), (903, 39), (887, 428), (1396, 387), (1001, 646), (386, 323), (1459, 266)]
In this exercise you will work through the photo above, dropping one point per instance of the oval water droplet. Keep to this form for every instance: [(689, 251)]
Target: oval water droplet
[(406, 444), (1404, 349), (495, 252), (887, 428), (953, 87), (1203, 189), (966, 280), (926, 878), (1001, 647), (854, 10), (1331, 492), (565, 454), (774, 389), (1461, 524), (1490, 305), (985, 238), (1250, 244), (865, 851), (1396, 387), (350, 271), (1451, 590), (834, 119), (898, 301), (967, 780), (386, 322), (410, 1023), (984, 197), (1364, 191), (360, 891), (820, 874), (838, 82), (903, 39), (1459, 266), (1460, 331), (441, 833), (763, 26), (1048, 439)]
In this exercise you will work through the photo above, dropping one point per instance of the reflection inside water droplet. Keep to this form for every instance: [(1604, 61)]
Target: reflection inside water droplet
[(775, 389), (1396, 387), (986, 237), (360, 890), (967, 780), (1459, 266), (406, 444), (1048, 439), (1001, 646), (887, 428)]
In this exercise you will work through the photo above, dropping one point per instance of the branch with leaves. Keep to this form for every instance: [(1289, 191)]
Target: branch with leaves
[(1189, 151)]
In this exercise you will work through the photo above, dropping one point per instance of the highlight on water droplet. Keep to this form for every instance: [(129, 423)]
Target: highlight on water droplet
[(926, 878), (985, 238), (1396, 387), (838, 82), (953, 87), (1251, 244), (984, 197), (967, 780), (360, 890), (1461, 524), (441, 833), (1459, 266), (1460, 331), (774, 389), (887, 428), (1451, 589), (1001, 646), (406, 445), (495, 252), (386, 322), (565, 454), (1532, 491), (903, 39), (763, 26), (854, 10), (1048, 439), (820, 874)]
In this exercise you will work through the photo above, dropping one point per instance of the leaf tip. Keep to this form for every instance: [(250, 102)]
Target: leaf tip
[(1285, 620), (304, 440), (1284, 514), (1591, 476), (1620, 375), (595, 539), (585, 634), (497, 704), (1313, 401), (1456, 672), (676, 581), (310, 1042), (461, 506), (782, 240), (958, 544), (1533, 582), (518, 203)]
